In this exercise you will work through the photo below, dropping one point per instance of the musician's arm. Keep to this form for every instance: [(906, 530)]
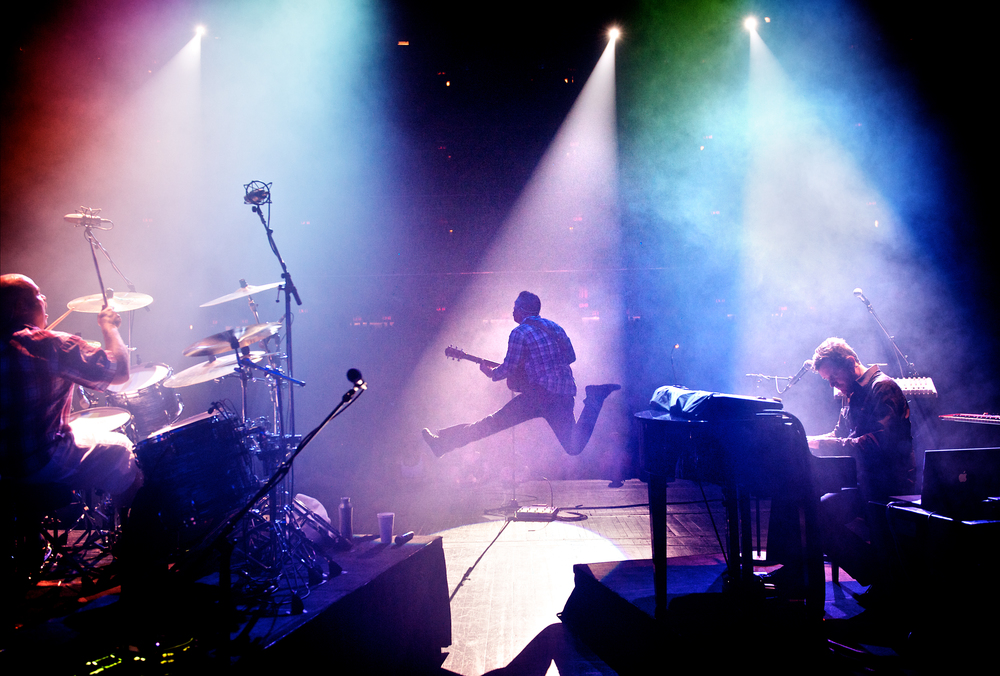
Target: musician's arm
[(109, 321), (515, 348)]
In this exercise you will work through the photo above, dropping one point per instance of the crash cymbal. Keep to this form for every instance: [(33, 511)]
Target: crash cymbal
[(121, 301), (230, 339), (242, 292), (209, 370)]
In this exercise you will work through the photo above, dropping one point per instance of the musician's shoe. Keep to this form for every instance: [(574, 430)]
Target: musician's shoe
[(434, 442), (600, 392)]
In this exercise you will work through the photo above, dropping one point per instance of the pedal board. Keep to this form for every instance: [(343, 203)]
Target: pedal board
[(536, 513)]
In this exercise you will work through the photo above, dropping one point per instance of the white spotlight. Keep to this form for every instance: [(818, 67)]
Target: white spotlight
[(614, 33), (750, 24), (199, 31)]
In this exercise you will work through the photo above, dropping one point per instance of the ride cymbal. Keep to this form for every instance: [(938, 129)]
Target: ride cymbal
[(242, 292)]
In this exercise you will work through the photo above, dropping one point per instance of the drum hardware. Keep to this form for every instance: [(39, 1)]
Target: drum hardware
[(78, 537)]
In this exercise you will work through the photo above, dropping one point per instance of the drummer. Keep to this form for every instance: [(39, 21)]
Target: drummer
[(38, 370)]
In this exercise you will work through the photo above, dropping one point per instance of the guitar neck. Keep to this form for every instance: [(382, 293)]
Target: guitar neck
[(480, 360), (455, 353)]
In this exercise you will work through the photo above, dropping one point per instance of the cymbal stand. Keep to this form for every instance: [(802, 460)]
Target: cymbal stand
[(275, 384)]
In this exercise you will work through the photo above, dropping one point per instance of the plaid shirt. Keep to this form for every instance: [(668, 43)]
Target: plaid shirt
[(543, 350), (875, 429), (38, 369)]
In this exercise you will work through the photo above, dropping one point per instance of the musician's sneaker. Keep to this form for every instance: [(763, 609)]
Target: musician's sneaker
[(434, 442), (600, 392)]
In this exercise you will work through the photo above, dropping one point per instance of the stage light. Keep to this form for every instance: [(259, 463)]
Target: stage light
[(199, 31), (751, 23), (614, 33)]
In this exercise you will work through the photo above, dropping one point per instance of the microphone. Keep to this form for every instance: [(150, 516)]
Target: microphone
[(806, 366), (861, 296), (84, 220), (258, 196), (359, 384)]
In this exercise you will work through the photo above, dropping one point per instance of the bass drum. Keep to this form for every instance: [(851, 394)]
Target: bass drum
[(197, 473), (152, 405)]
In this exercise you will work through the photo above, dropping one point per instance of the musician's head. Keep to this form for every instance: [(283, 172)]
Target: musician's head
[(837, 363), (21, 302), (526, 305)]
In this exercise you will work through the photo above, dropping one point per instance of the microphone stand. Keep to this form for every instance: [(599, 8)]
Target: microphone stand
[(219, 538), (777, 385), (901, 359), (88, 235), (290, 291), (90, 221), (258, 193)]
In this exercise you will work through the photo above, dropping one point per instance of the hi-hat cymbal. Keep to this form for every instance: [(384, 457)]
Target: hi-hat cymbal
[(231, 339), (242, 292), (209, 370), (121, 301)]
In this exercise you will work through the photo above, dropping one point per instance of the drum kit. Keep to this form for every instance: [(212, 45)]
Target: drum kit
[(221, 481), (203, 465)]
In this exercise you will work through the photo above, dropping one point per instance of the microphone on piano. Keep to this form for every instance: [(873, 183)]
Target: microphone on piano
[(806, 367)]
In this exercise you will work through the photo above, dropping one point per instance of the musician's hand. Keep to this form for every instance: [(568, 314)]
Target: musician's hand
[(108, 318), (486, 369), (826, 444)]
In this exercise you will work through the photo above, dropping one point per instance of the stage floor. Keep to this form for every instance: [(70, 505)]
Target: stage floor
[(507, 581), (522, 572)]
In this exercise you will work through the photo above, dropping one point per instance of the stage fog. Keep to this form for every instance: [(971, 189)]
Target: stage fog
[(693, 203)]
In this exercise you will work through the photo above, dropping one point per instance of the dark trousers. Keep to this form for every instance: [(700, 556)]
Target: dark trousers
[(557, 409)]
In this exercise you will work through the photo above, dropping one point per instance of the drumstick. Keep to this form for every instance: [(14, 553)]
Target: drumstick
[(64, 316)]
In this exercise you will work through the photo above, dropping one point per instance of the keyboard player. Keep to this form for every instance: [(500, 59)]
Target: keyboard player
[(874, 428)]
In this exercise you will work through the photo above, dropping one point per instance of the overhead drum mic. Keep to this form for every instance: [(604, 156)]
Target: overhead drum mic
[(87, 220), (257, 193)]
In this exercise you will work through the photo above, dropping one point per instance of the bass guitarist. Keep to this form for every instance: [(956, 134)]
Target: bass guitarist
[(537, 366)]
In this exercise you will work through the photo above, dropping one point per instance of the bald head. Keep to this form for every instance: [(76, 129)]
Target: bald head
[(21, 302)]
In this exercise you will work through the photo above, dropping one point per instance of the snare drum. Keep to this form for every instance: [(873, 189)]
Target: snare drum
[(198, 473), (99, 420), (151, 404)]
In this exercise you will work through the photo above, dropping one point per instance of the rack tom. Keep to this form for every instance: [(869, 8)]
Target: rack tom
[(152, 405)]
